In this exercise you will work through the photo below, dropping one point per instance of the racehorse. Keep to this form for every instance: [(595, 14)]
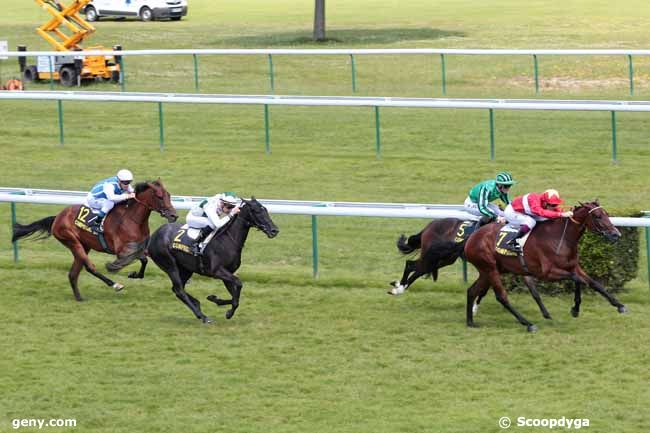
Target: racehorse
[(451, 234), (126, 233), (429, 261), (220, 259), (13, 85), (550, 254)]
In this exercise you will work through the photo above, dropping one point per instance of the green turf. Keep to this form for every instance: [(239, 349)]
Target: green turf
[(333, 354)]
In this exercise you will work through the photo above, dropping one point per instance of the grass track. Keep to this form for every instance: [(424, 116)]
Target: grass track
[(333, 354)]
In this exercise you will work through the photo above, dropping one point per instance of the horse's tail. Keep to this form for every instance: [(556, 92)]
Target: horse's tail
[(407, 246), (43, 225)]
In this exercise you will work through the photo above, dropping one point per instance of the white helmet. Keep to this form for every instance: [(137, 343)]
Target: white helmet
[(125, 175), (230, 198)]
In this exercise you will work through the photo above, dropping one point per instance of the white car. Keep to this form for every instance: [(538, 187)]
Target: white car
[(146, 10)]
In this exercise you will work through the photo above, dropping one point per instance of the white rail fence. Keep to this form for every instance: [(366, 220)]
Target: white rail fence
[(341, 101), (443, 53), (291, 207)]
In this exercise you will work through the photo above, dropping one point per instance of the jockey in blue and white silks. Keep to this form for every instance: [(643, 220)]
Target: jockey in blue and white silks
[(212, 214), (103, 196)]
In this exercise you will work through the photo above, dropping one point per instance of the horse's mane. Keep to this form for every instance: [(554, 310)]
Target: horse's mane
[(143, 186)]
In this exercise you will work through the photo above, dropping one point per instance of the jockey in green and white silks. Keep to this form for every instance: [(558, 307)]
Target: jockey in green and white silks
[(480, 197), (212, 214), (103, 196)]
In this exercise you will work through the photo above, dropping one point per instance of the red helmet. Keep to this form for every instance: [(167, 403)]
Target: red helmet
[(551, 196)]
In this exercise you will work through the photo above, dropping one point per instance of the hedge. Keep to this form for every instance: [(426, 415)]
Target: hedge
[(613, 264)]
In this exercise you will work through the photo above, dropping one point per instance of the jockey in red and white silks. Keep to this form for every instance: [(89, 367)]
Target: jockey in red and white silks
[(526, 210)]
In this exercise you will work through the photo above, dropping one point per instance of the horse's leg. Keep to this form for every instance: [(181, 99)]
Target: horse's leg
[(502, 297), (401, 286), (73, 277), (577, 298), (600, 289), (81, 253), (186, 298), (234, 286), (479, 288), (143, 265), (185, 275), (530, 283), (478, 300), (126, 256)]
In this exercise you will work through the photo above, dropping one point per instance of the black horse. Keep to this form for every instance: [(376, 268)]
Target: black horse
[(220, 259)]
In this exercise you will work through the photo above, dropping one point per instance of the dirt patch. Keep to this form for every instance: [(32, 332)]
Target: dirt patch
[(572, 83)]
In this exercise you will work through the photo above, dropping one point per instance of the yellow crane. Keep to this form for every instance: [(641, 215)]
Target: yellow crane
[(65, 31)]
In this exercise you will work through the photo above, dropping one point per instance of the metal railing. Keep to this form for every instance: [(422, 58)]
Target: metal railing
[(441, 52), (294, 207), (374, 102)]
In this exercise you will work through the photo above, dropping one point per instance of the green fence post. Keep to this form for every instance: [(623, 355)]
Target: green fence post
[(377, 134), (492, 150), (51, 73), (536, 74), (647, 249), (267, 137), (161, 127), (444, 74), (60, 108), (122, 74), (196, 73), (631, 73), (354, 79), (614, 137), (13, 221), (314, 244), (271, 74), (464, 270)]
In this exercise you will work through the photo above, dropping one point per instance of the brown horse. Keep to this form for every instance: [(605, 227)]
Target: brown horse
[(551, 254), (13, 85), (126, 233)]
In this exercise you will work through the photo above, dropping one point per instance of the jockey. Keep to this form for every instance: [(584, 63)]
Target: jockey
[(478, 201), (525, 211), (103, 196), (212, 214)]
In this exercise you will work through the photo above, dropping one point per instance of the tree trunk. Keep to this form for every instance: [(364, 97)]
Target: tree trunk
[(319, 20)]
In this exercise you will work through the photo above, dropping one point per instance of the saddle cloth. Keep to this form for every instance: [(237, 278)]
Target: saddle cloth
[(185, 238), (505, 235), (465, 229), (84, 219)]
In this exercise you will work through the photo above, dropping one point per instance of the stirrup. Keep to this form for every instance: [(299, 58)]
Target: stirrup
[(196, 249)]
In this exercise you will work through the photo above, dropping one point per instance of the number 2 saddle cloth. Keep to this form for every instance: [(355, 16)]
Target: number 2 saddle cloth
[(185, 238)]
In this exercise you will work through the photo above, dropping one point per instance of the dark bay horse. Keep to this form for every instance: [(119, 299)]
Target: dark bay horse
[(126, 231), (551, 254), (221, 257), (429, 261)]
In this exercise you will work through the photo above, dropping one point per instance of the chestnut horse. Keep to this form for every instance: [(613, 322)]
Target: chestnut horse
[(551, 254), (126, 232)]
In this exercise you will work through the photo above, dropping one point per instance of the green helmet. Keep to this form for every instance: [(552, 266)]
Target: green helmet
[(505, 178)]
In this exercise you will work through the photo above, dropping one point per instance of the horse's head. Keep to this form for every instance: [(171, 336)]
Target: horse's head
[(596, 219), (156, 197), (257, 216)]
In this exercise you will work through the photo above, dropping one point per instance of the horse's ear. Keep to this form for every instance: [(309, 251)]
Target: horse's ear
[(252, 198), (597, 201), (580, 204)]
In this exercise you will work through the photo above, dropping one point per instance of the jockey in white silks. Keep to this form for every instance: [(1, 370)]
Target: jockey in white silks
[(106, 193), (210, 215)]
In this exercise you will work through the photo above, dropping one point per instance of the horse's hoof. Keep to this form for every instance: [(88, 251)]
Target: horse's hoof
[(80, 300), (207, 320), (212, 298), (473, 325), (118, 287), (397, 290), (574, 312), (135, 275), (532, 328), (622, 309), (229, 314)]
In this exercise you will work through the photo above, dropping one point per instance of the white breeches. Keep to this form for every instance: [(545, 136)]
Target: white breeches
[(519, 219), (197, 222), (471, 207), (102, 205)]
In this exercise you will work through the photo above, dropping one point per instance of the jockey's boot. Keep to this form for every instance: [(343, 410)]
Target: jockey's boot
[(196, 248), (97, 223), (520, 234), (484, 220)]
